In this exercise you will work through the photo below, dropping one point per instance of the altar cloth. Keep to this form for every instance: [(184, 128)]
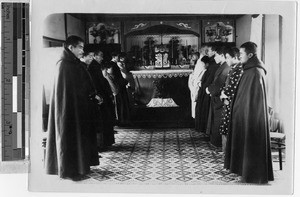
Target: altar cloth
[(159, 73)]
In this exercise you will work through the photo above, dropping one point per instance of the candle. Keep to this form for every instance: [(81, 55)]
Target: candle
[(187, 51), (149, 51), (134, 44), (172, 48), (142, 52)]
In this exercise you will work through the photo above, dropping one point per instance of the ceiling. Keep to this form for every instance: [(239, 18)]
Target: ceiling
[(88, 17)]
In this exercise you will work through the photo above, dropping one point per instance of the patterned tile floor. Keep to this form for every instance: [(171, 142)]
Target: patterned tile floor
[(164, 156)]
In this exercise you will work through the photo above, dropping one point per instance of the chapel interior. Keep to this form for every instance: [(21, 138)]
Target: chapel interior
[(173, 38), (159, 47)]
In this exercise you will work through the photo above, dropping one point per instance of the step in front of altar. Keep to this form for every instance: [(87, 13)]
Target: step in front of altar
[(143, 116)]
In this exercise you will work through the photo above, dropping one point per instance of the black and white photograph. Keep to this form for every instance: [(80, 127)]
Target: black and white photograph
[(173, 97)]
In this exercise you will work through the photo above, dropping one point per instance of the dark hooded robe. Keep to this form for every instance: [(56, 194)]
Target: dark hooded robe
[(203, 100), (216, 106), (71, 143), (106, 109), (248, 152), (121, 99)]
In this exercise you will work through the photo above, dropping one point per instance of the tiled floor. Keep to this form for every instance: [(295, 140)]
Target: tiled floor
[(164, 156)]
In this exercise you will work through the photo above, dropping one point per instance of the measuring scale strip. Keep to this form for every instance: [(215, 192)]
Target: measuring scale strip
[(15, 42)]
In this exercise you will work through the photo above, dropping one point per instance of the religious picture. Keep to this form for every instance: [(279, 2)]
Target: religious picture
[(218, 31)]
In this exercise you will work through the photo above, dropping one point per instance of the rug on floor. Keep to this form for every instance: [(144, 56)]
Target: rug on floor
[(162, 156)]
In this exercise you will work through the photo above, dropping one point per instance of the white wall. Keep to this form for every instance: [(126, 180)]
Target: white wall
[(243, 29), (50, 57), (272, 60), (54, 27), (250, 29)]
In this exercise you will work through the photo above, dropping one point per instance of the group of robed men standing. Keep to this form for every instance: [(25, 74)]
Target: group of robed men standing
[(230, 100), (229, 103), (88, 98)]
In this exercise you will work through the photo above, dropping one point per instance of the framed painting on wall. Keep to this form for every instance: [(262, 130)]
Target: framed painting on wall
[(218, 31)]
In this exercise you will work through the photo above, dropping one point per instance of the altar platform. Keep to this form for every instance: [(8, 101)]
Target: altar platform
[(162, 98)]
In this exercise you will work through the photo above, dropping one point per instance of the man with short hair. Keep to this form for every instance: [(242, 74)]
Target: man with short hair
[(194, 79), (71, 142), (194, 59), (248, 152), (98, 56), (203, 99), (87, 57), (106, 135), (214, 90), (203, 51), (121, 99)]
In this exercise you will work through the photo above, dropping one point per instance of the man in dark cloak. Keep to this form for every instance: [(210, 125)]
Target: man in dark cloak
[(203, 100), (107, 107), (214, 90), (121, 99), (248, 152), (71, 143)]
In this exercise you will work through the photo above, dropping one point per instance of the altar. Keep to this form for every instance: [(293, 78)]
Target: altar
[(162, 96)]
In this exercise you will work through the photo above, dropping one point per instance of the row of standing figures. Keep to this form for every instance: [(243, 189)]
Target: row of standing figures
[(229, 104), (88, 99)]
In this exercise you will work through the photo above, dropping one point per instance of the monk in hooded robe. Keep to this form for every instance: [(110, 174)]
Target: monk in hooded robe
[(71, 143), (248, 152)]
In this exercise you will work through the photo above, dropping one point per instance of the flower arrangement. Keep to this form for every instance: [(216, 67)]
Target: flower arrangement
[(102, 31), (225, 32)]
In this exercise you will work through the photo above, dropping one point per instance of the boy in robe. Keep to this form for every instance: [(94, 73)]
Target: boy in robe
[(248, 151), (106, 137), (203, 99), (214, 90), (121, 98)]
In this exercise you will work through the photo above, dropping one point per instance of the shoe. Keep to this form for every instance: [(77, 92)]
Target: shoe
[(79, 177)]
